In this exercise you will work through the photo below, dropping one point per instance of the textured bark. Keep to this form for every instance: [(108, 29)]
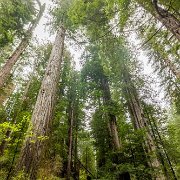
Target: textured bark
[(167, 19), (32, 150), (6, 69), (114, 131), (170, 22), (71, 121), (112, 124), (140, 122), (156, 131), (112, 118), (7, 91)]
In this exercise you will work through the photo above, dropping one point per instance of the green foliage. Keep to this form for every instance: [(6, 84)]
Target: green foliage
[(173, 142), (17, 113), (60, 14), (87, 154), (14, 15), (81, 13), (20, 176), (107, 58)]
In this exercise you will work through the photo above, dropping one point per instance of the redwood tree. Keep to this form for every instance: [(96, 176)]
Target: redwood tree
[(32, 150), (11, 61)]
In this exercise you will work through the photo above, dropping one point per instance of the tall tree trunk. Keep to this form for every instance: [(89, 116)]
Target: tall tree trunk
[(24, 96), (165, 60), (140, 122), (167, 19), (112, 118), (112, 125), (71, 121), (42, 115), (156, 132), (6, 69), (76, 163)]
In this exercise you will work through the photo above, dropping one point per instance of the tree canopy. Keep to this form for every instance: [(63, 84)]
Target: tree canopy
[(116, 117)]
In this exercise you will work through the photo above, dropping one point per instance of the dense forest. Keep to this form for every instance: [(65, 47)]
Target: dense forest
[(97, 98)]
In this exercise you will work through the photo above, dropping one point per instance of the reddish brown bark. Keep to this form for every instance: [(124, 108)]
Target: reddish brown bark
[(112, 118), (6, 69), (33, 148), (112, 124), (139, 121), (170, 22), (167, 19)]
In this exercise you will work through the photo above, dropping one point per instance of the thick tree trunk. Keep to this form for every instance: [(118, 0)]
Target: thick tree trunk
[(6, 69), (112, 125), (112, 118), (140, 122), (114, 131), (167, 19), (71, 121), (156, 131), (42, 115)]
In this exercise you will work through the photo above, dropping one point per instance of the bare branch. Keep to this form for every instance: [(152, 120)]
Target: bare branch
[(150, 38), (39, 4)]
